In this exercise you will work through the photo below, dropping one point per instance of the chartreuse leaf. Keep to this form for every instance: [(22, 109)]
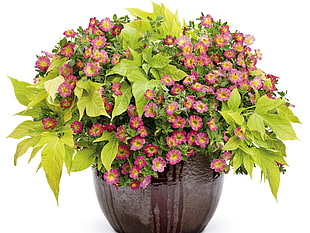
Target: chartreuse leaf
[(89, 99), (233, 143), (140, 84), (245, 159), (51, 87), (256, 123), (234, 100), (27, 128), (174, 72), (278, 120), (53, 156), (158, 61), (108, 152), (24, 145), (122, 101), (232, 117), (266, 160), (21, 90), (83, 159)]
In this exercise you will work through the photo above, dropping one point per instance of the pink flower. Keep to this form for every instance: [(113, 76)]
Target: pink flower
[(143, 131), (116, 88), (137, 143), (200, 107), (116, 30), (91, 69), (125, 168), (70, 33), (65, 70), (43, 63), (195, 122), (190, 61), (226, 155), (239, 133), (67, 50), (115, 59), (65, 89), (71, 80), (180, 136), (150, 110), (191, 137), (174, 157), (65, 104), (178, 123), (106, 25), (220, 41), (238, 47), (211, 124), (207, 21), (182, 40), (98, 42), (190, 78), (111, 177), (171, 108), (136, 122), (145, 182), (149, 94), (140, 162), (177, 89), (49, 123), (189, 101), (171, 141), (122, 152), (226, 65), (167, 80), (132, 111), (169, 40), (248, 39), (109, 127), (134, 185), (202, 140), (76, 127), (134, 172), (218, 165), (158, 164), (223, 94), (210, 78), (150, 150), (257, 83), (96, 130), (235, 76), (229, 54), (121, 134)]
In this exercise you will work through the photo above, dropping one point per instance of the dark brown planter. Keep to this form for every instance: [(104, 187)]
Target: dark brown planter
[(182, 200)]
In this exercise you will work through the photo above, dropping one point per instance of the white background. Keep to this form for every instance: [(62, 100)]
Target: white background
[(282, 33)]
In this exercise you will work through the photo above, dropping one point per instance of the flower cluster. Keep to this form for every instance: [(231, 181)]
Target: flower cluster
[(134, 98)]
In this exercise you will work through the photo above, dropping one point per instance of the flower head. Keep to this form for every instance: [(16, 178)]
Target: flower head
[(76, 127), (202, 140), (137, 143), (174, 157), (70, 33), (65, 89), (195, 122), (91, 69), (239, 133), (49, 123), (150, 150), (67, 50), (106, 25), (150, 109), (211, 124), (116, 87), (207, 21), (43, 63), (134, 172), (134, 185), (140, 162), (167, 80), (223, 94), (96, 130), (145, 182), (171, 108), (111, 176), (218, 165), (159, 164)]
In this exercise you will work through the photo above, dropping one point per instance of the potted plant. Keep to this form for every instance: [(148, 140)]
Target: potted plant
[(160, 110)]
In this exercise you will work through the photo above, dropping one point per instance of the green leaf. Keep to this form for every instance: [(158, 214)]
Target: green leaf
[(125, 67), (158, 61), (233, 143), (174, 72), (27, 128), (89, 99), (21, 90), (264, 104), (122, 101), (109, 151), (288, 114), (256, 123), (266, 160), (51, 87), (234, 100), (83, 159), (53, 156), (232, 117), (24, 145)]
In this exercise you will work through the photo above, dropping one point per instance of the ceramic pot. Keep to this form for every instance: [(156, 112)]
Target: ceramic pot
[(182, 199)]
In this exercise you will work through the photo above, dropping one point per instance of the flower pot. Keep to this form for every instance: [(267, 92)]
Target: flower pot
[(182, 199)]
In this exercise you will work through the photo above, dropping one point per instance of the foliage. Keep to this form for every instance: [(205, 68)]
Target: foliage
[(131, 97)]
